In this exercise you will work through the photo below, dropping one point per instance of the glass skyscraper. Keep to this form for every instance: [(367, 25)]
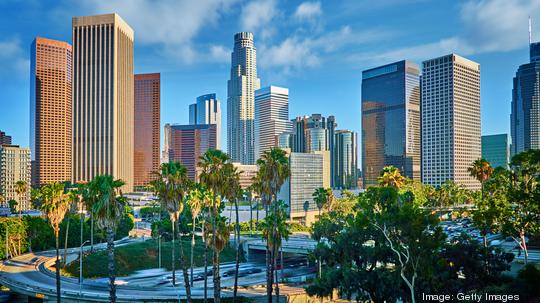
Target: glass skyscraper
[(525, 116), (391, 120), (207, 110), (345, 159), (495, 149)]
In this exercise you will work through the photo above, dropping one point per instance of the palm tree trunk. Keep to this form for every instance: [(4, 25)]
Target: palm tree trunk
[(276, 275), (257, 222), (111, 265), (215, 252), (250, 216), (183, 263), (274, 253), (57, 265), (269, 281), (205, 265), (173, 257), (237, 234), (66, 242), (281, 257), (91, 231), (192, 249)]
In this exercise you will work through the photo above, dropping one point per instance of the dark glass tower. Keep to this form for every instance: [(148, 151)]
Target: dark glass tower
[(391, 120)]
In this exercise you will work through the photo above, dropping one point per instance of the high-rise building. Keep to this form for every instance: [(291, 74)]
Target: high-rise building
[(496, 150), (4, 138), (103, 98), (525, 116), (240, 100), (297, 191), (450, 120), (206, 110), (15, 166), (247, 173), (50, 110), (271, 117), (187, 143), (346, 159), (391, 120), (146, 140)]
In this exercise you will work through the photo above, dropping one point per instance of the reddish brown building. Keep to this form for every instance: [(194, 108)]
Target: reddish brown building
[(186, 143), (146, 128), (50, 110)]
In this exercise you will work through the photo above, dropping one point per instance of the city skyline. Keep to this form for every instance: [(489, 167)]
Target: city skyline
[(495, 107)]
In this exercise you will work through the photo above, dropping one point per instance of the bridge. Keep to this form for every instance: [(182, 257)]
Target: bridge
[(295, 245)]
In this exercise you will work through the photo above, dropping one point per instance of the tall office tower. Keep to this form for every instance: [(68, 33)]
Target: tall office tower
[(247, 173), (50, 110), (496, 150), (15, 166), (103, 98), (450, 120), (240, 100), (271, 117), (188, 142), (146, 140), (346, 159), (206, 110), (4, 139), (391, 120), (525, 116), (297, 191)]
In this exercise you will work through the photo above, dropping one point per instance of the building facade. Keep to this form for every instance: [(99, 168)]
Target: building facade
[(146, 120), (241, 100), (207, 110), (496, 150), (4, 138), (103, 98), (50, 110), (525, 116), (271, 117), (247, 173), (346, 159), (391, 120), (450, 120), (187, 143), (15, 166)]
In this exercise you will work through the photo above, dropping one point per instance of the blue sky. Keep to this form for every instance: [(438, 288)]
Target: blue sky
[(315, 48)]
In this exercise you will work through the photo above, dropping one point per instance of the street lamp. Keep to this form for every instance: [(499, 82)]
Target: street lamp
[(81, 268)]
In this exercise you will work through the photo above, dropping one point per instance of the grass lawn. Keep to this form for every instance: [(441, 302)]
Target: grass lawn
[(144, 255)]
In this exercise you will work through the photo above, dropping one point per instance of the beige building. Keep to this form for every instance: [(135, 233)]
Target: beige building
[(247, 173), (103, 98), (450, 120), (50, 111), (15, 166), (326, 167)]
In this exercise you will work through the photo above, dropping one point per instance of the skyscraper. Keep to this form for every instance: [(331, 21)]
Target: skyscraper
[(346, 159), (525, 116), (50, 110), (206, 110), (146, 140), (240, 99), (4, 138), (103, 98), (450, 120), (391, 120), (186, 143), (496, 150), (15, 166), (271, 117)]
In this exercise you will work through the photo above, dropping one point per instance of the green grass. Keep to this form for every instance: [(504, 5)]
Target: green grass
[(144, 255)]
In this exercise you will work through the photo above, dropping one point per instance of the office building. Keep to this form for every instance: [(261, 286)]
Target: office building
[(240, 100), (4, 138), (346, 159), (496, 150), (271, 117), (313, 133), (15, 166), (187, 143), (247, 173), (50, 110), (391, 120), (450, 120), (206, 110), (146, 139), (297, 191), (525, 115), (103, 98)]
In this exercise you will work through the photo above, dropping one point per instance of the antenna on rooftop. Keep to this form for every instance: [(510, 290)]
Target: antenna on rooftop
[(530, 31)]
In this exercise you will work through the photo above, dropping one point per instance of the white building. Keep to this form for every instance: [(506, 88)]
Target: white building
[(450, 120), (271, 117), (15, 165), (207, 110)]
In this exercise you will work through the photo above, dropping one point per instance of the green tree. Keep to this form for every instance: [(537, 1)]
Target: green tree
[(195, 203), (13, 206), (108, 209), (391, 177), (20, 188), (320, 196), (481, 170), (55, 205)]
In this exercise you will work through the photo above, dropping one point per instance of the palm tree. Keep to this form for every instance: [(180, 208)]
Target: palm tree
[(391, 176), (320, 196), (207, 199), (20, 189), (217, 240), (171, 188), (212, 165), (73, 197), (55, 205), (109, 208), (195, 202), (233, 191), (88, 195), (481, 170)]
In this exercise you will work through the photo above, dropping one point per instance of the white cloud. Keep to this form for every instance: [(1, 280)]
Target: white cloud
[(257, 15), (13, 59), (219, 53), (308, 10)]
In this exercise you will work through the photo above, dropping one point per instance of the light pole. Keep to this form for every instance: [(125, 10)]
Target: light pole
[(81, 268)]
